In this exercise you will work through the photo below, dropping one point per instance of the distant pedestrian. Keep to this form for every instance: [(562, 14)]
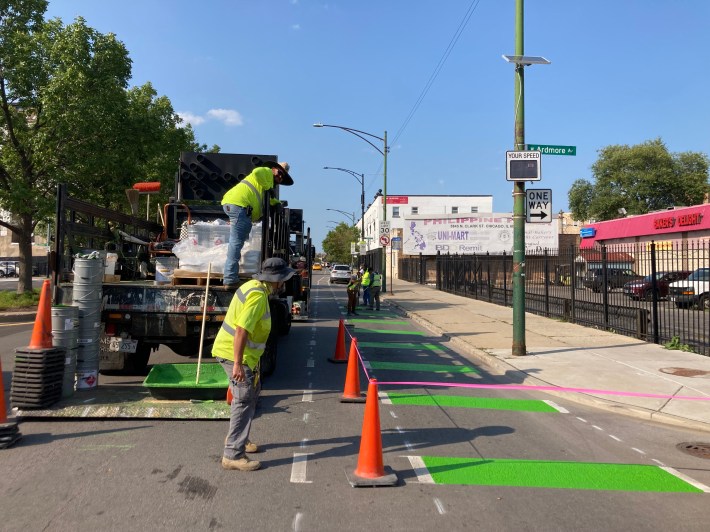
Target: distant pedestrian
[(375, 288), (353, 287), (238, 346), (365, 282)]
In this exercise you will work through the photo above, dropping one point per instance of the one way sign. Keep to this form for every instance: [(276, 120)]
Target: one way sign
[(539, 205)]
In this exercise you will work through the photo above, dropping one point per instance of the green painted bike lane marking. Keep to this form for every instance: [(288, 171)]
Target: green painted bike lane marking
[(402, 345), (551, 474), (434, 368), (490, 403), (390, 331)]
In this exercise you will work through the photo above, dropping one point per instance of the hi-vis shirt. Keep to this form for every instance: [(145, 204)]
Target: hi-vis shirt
[(249, 310), (249, 192), (376, 280)]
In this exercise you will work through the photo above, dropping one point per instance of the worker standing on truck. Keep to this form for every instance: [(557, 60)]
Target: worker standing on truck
[(238, 347), (243, 204)]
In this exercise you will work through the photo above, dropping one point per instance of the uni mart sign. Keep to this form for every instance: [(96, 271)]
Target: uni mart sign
[(548, 149)]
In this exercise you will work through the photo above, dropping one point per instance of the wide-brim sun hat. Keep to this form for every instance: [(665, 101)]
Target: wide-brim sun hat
[(274, 270), (284, 167)]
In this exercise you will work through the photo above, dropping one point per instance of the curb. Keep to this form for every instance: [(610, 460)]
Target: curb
[(17, 317), (588, 400)]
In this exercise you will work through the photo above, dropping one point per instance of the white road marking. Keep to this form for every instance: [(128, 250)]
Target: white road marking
[(307, 396), (393, 414), (598, 428), (658, 462), (582, 419), (408, 445), (614, 438), (312, 342), (692, 482), (305, 417), (557, 407), (420, 470), (296, 525), (399, 429), (298, 468), (637, 450), (310, 363), (384, 398), (304, 443), (313, 329), (439, 506)]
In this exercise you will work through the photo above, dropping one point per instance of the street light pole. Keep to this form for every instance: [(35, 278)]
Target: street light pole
[(358, 133), (361, 179), (348, 214)]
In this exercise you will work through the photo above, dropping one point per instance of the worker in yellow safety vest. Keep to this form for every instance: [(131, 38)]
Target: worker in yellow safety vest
[(365, 282), (375, 288), (238, 347), (243, 204)]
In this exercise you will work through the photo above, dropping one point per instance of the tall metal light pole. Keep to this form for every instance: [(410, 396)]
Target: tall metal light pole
[(521, 61), (361, 179), (358, 133), (350, 215)]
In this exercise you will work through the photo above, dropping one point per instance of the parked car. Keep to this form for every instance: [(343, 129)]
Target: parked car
[(694, 290), (616, 278), (340, 274), (643, 288), (8, 269)]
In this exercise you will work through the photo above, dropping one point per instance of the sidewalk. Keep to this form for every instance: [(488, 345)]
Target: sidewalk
[(566, 355)]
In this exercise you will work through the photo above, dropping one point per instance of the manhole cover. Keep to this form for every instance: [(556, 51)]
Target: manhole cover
[(699, 450), (685, 372)]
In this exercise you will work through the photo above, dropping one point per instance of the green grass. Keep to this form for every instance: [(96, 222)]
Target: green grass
[(11, 300)]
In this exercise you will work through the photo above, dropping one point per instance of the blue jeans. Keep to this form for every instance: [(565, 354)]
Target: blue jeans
[(366, 296), (241, 412), (240, 227)]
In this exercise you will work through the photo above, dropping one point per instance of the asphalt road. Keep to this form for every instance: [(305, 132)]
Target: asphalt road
[(493, 459)]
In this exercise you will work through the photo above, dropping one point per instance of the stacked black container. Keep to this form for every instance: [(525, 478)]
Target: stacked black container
[(37, 377)]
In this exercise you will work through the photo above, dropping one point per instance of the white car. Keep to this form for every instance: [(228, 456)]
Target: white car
[(340, 273)]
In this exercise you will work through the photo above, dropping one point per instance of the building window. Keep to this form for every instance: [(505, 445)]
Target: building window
[(395, 212), (454, 210), (415, 210), (474, 209)]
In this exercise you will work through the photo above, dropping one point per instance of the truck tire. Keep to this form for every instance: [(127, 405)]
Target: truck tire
[(267, 362), (137, 363)]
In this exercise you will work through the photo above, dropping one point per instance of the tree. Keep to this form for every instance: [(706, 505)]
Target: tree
[(336, 243), (68, 116), (639, 179)]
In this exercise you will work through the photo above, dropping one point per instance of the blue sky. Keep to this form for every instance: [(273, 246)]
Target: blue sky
[(254, 75)]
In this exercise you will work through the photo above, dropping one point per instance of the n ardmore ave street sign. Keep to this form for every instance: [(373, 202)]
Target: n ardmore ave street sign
[(547, 149)]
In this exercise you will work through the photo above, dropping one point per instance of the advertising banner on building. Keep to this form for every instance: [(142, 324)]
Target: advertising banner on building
[(479, 233)]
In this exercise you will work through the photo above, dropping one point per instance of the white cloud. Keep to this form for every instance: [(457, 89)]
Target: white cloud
[(296, 27), (229, 117), (190, 118)]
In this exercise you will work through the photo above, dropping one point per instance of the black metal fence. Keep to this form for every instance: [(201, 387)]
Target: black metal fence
[(646, 290)]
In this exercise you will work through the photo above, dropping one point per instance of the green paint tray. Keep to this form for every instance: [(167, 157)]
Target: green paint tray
[(177, 382)]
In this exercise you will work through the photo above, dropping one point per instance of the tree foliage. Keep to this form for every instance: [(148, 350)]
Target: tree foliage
[(67, 115), (336, 243), (639, 179)]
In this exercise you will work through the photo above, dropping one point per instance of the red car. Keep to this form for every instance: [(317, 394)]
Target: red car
[(643, 289)]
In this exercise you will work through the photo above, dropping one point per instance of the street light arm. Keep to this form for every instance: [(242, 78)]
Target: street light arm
[(359, 177), (349, 215), (358, 134)]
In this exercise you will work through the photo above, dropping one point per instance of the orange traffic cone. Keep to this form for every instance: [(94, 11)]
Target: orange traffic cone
[(351, 393), (370, 471), (42, 332), (339, 356)]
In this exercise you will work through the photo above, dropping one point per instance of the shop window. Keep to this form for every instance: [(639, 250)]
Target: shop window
[(415, 210), (454, 210), (474, 209), (395, 212)]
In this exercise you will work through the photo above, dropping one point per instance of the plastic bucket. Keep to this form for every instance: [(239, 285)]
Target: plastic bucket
[(89, 313), (87, 356), (82, 294), (87, 380), (219, 235), (88, 272), (64, 318), (164, 269), (66, 339)]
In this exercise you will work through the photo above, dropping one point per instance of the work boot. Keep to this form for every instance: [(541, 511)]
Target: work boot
[(240, 464), (251, 447)]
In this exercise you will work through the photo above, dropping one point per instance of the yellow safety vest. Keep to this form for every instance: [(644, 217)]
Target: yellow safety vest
[(249, 310), (376, 280), (249, 192), (365, 279)]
